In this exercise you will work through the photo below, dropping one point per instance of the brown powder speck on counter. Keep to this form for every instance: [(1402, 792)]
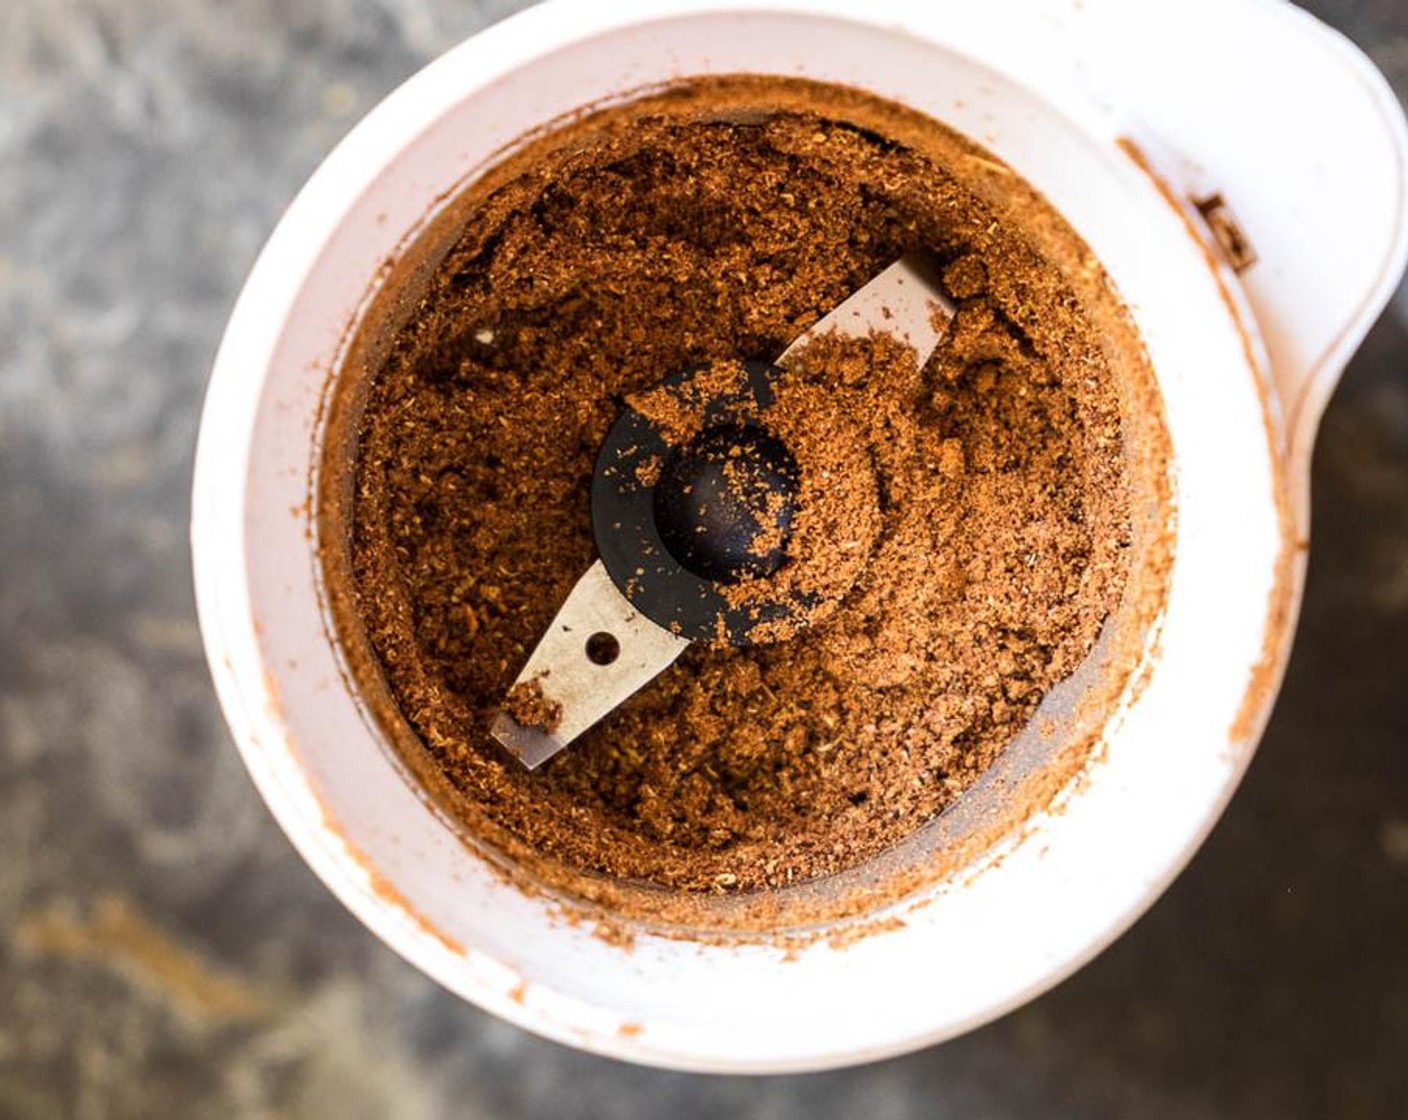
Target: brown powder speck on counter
[(966, 525)]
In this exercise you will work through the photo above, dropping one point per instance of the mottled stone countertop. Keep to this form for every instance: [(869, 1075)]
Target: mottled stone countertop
[(163, 951)]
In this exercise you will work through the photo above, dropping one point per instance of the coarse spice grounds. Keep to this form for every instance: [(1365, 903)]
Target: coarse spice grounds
[(983, 538)]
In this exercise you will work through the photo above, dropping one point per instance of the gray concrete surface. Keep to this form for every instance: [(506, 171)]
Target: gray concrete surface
[(163, 952)]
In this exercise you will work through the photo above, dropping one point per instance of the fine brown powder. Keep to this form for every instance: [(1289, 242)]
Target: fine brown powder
[(969, 521), (531, 707)]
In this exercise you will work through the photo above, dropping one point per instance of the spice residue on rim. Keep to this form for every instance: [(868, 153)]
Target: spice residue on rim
[(984, 541)]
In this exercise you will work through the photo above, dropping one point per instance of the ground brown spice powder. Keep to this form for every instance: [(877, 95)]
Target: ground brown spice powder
[(676, 233), (530, 707)]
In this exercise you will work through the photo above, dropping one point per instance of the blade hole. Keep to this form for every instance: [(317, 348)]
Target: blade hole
[(603, 648)]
